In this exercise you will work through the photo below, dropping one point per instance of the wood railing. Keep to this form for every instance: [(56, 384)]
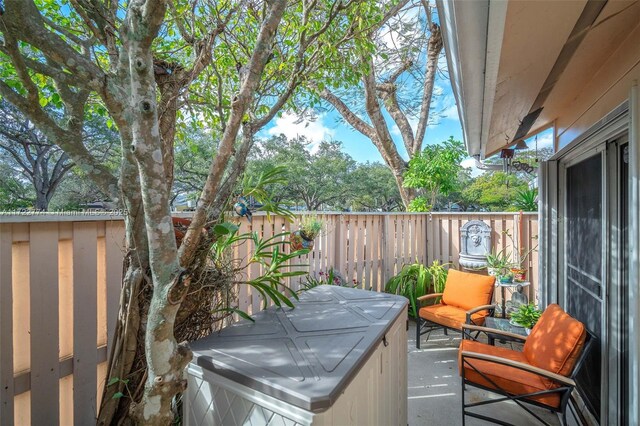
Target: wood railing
[(60, 280)]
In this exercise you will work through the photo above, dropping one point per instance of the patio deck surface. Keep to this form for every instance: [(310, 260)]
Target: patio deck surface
[(434, 386)]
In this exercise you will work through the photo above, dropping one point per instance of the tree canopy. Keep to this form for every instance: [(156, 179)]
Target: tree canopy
[(435, 170)]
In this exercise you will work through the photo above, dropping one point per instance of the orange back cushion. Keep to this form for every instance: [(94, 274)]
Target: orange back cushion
[(467, 291), (556, 341)]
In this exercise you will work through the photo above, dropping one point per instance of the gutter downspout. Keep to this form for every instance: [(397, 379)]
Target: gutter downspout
[(484, 166)]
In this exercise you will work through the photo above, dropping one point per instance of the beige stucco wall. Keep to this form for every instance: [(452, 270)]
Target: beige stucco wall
[(609, 87)]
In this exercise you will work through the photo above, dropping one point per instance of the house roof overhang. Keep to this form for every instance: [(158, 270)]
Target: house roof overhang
[(515, 66)]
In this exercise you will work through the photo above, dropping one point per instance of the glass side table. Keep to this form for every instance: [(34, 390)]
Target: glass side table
[(502, 325)]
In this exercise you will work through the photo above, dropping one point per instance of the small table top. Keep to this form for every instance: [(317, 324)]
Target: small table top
[(512, 284), (503, 324)]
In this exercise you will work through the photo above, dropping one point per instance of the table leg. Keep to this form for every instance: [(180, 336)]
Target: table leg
[(504, 312)]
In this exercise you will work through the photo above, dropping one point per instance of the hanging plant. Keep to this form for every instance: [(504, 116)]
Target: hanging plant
[(310, 227)]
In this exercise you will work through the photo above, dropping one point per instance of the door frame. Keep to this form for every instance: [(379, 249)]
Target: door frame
[(553, 237)]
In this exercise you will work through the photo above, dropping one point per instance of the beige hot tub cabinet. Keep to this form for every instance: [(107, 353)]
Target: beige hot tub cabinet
[(338, 358)]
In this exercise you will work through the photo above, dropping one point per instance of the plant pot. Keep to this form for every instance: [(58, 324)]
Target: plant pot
[(494, 272), (519, 274), (300, 241), (506, 279)]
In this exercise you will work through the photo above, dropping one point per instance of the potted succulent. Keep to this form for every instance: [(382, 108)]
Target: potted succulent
[(526, 316), (506, 277), (310, 227), (498, 263)]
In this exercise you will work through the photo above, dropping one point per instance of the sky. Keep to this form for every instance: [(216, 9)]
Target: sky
[(329, 126)]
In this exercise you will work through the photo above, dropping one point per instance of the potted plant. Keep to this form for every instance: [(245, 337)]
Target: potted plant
[(517, 268), (498, 263), (526, 316), (519, 274), (506, 277), (310, 227)]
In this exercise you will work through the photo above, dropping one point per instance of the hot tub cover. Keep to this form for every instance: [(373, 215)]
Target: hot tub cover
[(304, 356)]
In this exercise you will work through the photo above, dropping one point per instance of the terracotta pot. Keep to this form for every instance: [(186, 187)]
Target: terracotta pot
[(519, 274), (299, 241)]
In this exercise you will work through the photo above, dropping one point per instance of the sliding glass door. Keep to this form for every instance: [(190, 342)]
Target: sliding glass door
[(584, 247), (594, 268)]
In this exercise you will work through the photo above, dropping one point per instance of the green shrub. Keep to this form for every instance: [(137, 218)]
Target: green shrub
[(526, 315), (416, 280)]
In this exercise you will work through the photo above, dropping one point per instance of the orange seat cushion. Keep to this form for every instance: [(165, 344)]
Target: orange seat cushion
[(467, 291), (556, 341), (509, 379), (450, 316)]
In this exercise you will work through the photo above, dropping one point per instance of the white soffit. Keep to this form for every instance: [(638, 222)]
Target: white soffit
[(535, 33), (464, 26)]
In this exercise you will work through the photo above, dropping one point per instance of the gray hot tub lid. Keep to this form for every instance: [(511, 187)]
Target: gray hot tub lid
[(304, 356)]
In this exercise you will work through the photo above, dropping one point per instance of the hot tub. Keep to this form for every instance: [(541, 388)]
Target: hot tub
[(338, 358)]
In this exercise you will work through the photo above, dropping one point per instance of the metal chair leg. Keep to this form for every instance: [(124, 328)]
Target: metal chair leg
[(462, 393)]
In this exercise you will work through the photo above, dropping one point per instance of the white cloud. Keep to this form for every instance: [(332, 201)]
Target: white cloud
[(438, 90), (450, 113), (291, 125), (470, 163), (544, 141)]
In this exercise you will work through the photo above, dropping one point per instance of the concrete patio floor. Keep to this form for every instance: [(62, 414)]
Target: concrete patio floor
[(434, 387)]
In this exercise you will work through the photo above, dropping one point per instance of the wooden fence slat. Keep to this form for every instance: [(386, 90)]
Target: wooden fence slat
[(456, 223), (376, 278), (241, 252), (360, 261), (114, 252), (85, 308), (43, 269), (6, 327)]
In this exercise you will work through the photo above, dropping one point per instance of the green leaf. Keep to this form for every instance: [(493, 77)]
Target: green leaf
[(113, 381), (117, 395), (225, 228)]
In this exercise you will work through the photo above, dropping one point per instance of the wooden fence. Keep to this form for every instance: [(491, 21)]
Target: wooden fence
[(60, 279)]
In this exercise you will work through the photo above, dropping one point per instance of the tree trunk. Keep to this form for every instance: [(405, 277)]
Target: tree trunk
[(42, 203)]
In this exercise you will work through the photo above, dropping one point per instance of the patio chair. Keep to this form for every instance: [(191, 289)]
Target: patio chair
[(542, 374), (466, 299)]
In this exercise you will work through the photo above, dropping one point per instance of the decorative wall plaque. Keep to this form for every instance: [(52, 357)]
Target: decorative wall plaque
[(475, 243)]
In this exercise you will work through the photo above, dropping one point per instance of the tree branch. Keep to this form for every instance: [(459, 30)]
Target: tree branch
[(349, 116), (241, 102), (388, 93), (434, 48), (24, 22), (69, 142)]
